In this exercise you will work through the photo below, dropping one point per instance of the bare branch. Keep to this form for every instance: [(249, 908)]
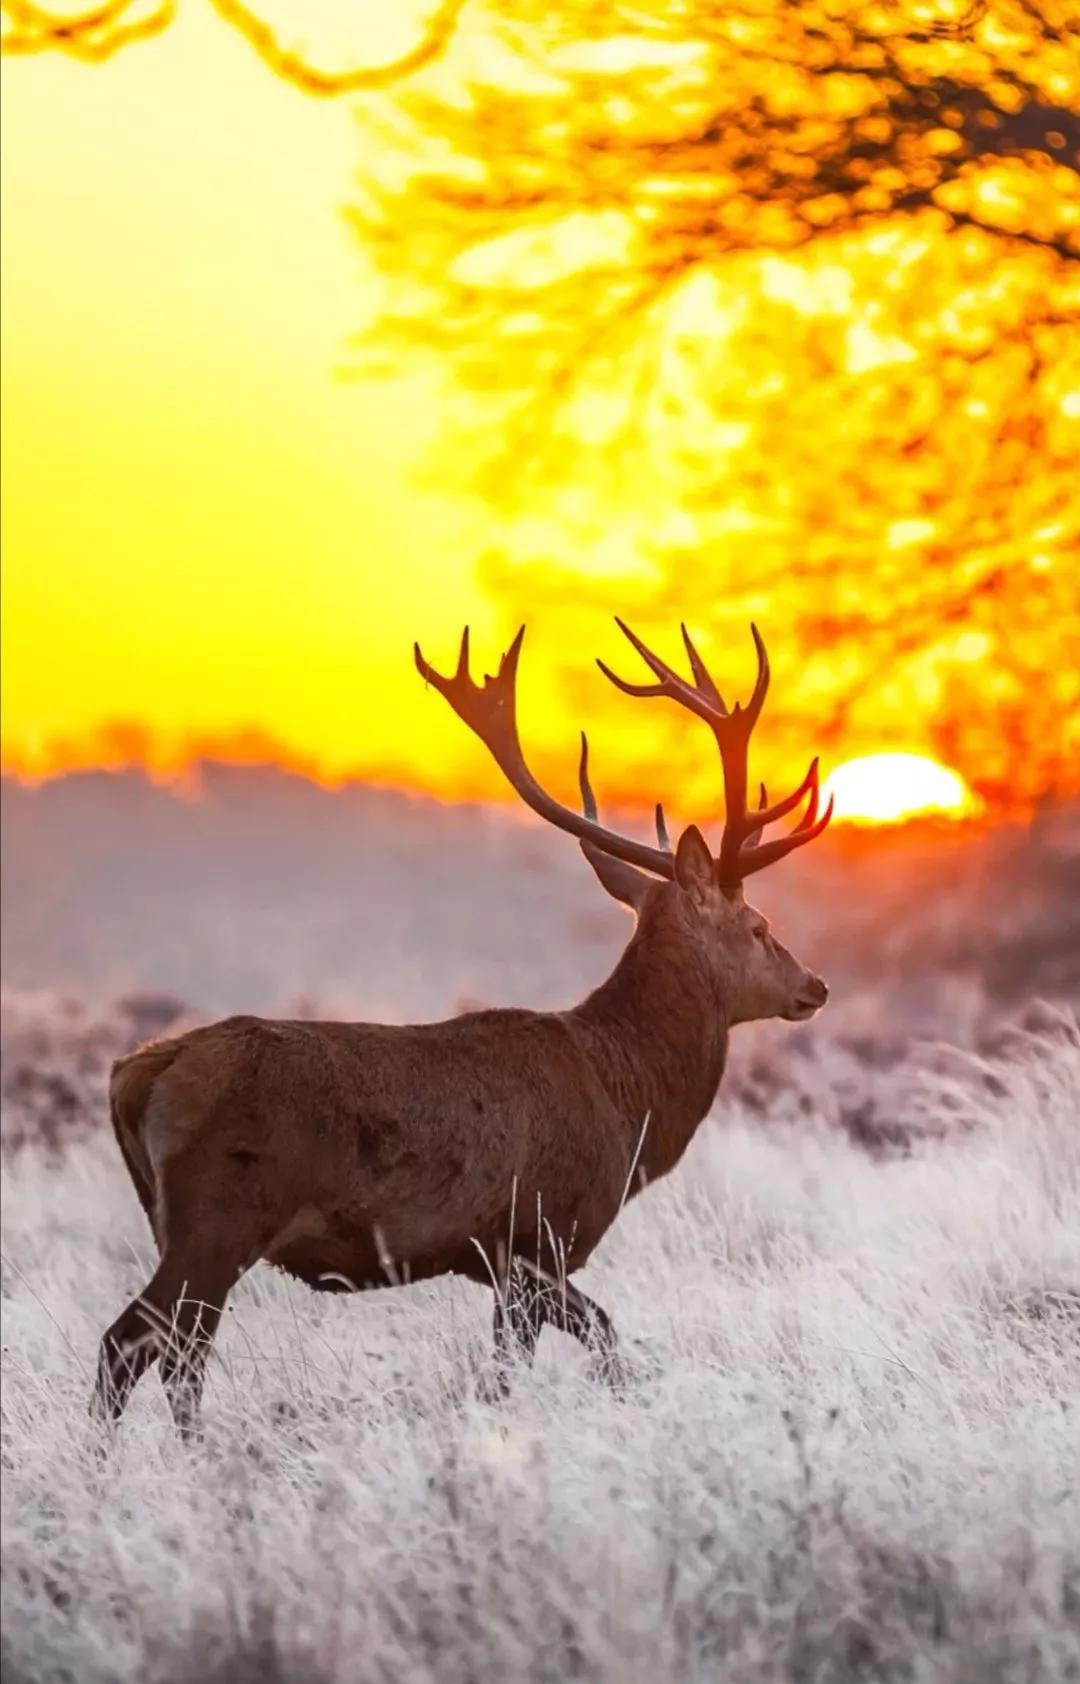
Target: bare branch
[(329, 84), (96, 35), (91, 36)]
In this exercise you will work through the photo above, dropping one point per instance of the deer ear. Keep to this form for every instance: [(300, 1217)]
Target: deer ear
[(694, 868), (623, 882)]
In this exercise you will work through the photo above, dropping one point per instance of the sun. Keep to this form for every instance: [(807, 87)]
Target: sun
[(886, 788)]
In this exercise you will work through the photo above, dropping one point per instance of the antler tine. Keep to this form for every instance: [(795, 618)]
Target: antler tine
[(769, 852), (780, 809), (508, 664), (749, 854), (702, 676), (754, 855), (490, 710), (588, 799), (654, 663), (627, 687), (761, 682), (702, 700), (423, 667)]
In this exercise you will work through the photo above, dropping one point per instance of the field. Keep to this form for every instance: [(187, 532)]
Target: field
[(850, 1446)]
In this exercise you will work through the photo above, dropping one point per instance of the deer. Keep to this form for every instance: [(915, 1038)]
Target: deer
[(499, 1145)]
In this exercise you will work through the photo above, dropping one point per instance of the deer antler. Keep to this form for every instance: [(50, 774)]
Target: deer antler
[(741, 850), (490, 709), (588, 799)]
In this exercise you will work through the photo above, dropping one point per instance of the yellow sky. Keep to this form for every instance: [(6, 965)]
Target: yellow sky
[(208, 531), (205, 528)]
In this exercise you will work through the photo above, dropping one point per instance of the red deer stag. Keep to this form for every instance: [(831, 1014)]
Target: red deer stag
[(500, 1145)]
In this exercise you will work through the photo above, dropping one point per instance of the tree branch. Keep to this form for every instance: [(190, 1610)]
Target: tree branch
[(96, 35), (330, 84), (91, 37)]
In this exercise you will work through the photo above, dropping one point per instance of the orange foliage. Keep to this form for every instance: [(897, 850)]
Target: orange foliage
[(776, 305)]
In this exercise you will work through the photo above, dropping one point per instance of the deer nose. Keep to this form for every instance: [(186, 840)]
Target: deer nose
[(816, 990)]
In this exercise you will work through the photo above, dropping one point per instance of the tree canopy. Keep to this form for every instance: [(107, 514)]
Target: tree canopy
[(769, 307)]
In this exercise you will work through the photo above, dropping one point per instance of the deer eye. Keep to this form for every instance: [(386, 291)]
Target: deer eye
[(759, 932)]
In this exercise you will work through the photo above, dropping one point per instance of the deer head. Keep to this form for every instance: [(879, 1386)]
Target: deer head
[(684, 895)]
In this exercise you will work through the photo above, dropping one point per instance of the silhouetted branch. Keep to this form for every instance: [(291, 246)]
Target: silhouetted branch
[(323, 84), (91, 36), (96, 35)]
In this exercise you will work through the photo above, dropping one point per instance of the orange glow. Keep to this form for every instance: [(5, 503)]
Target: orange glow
[(215, 546), (885, 788)]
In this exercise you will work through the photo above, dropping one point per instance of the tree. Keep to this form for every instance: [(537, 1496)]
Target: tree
[(774, 302)]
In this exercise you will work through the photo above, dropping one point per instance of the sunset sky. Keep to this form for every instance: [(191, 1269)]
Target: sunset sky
[(206, 529), (219, 538)]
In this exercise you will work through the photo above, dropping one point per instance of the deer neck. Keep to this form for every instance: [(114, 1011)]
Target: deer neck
[(660, 1040)]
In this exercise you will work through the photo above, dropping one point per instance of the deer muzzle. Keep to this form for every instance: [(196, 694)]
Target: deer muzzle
[(809, 1000)]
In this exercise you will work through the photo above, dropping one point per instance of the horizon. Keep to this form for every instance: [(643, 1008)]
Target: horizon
[(223, 530)]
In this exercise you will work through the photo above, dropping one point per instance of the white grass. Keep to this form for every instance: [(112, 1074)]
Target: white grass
[(853, 1451)]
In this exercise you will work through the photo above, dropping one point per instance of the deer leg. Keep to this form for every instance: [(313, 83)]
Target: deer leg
[(565, 1306), (202, 1274), (184, 1359), (516, 1326), (532, 1299), (590, 1323), (137, 1338), (173, 1319), (130, 1346), (519, 1315), (587, 1321)]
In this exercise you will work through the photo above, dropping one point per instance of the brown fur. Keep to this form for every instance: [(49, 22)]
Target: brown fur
[(359, 1155)]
